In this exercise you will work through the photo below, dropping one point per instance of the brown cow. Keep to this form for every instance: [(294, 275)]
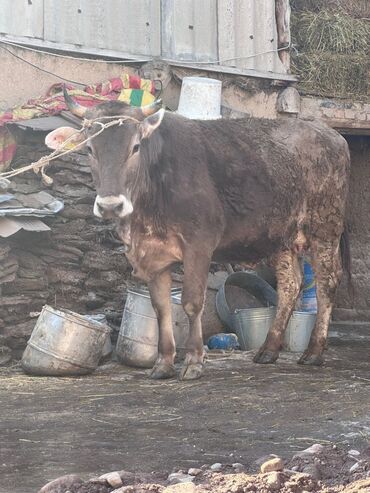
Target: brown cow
[(228, 190)]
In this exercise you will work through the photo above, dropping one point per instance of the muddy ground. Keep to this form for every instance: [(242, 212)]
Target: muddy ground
[(118, 419)]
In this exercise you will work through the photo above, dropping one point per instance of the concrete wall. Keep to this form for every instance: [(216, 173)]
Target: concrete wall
[(20, 82)]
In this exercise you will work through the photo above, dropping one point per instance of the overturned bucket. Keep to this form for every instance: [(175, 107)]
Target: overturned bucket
[(200, 98), (64, 343)]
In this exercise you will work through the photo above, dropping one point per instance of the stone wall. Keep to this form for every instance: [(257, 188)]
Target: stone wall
[(78, 265), (359, 233)]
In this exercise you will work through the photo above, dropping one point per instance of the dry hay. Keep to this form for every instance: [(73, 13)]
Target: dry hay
[(338, 75), (328, 31), (332, 50), (356, 8)]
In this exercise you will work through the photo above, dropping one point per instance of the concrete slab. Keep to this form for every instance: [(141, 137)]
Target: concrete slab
[(118, 419)]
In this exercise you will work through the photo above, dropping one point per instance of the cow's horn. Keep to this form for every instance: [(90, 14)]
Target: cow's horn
[(151, 108), (74, 108)]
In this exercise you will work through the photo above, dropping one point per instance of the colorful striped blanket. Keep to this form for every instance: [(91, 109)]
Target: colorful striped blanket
[(129, 88)]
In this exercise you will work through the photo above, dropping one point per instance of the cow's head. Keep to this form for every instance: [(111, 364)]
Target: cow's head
[(115, 153)]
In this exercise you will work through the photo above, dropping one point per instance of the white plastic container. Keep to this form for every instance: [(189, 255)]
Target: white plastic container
[(200, 98)]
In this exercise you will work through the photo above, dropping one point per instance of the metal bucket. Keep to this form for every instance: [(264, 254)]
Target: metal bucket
[(252, 325), (64, 343), (137, 343), (253, 284)]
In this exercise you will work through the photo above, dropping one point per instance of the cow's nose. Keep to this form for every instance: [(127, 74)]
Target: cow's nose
[(109, 207)]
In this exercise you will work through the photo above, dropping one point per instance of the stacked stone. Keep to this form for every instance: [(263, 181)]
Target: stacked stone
[(78, 265)]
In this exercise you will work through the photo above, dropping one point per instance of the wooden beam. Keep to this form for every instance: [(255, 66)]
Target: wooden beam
[(282, 14)]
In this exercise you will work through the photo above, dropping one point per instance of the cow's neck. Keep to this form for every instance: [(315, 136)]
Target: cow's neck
[(151, 189)]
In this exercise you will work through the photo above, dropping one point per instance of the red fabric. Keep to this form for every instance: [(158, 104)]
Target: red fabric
[(53, 103)]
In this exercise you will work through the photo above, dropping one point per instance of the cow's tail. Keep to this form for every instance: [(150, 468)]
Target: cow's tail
[(345, 252)]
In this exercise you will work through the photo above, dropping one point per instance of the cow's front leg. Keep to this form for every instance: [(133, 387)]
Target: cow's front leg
[(289, 282), (196, 266), (160, 294)]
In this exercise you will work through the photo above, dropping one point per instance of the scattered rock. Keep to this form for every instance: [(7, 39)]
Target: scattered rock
[(5, 355), (274, 480), (193, 471), (353, 452), (125, 489), (180, 488), (354, 468), (264, 459), (113, 478), (62, 484), (217, 466), (275, 464), (238, 468), (316, 448), (313, 470), (179, 477)]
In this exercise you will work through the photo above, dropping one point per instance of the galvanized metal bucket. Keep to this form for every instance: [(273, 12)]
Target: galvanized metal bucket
[(252, 325), (253, 284), (64, 343), (137, 343)]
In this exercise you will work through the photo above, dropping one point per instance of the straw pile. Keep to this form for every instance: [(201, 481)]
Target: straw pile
[(332, 57), (355, 8)]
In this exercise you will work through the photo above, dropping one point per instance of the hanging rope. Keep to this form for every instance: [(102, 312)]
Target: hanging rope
[(39, 166)]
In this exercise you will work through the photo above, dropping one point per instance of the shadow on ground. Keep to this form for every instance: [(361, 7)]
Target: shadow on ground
[(118, 419)]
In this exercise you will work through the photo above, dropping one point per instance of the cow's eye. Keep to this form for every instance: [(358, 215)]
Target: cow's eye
[(89, 150), (135, 148)]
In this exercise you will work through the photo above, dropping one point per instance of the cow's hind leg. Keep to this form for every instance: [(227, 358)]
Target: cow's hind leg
[(327, 267), (196, 266), (289, 282), (160, 294)]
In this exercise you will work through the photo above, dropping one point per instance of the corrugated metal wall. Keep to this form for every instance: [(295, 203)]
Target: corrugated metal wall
[(227, 32)]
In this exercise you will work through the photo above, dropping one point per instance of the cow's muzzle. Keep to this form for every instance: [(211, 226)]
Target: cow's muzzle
[(112, 206)]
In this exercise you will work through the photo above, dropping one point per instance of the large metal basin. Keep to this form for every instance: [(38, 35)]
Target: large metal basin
[(64, 343)]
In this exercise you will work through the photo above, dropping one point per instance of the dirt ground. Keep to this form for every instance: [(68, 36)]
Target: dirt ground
[(118, 419)]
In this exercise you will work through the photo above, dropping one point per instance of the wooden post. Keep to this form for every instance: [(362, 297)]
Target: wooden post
[(282, 14)]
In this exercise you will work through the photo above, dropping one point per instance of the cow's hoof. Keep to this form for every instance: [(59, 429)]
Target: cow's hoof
[(311, 359), (191, 371), (266, 357), (162, 370)]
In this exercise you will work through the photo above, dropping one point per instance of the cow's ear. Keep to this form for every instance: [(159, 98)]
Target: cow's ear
[(150, 123), (58, 137)]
